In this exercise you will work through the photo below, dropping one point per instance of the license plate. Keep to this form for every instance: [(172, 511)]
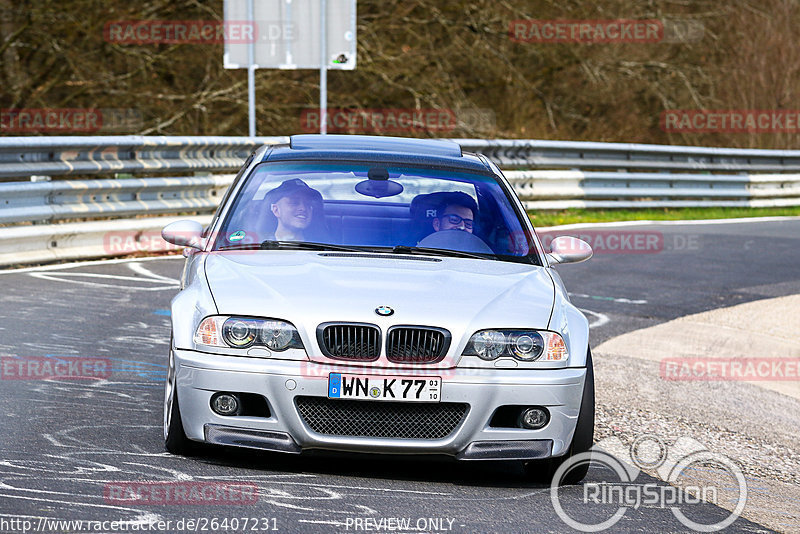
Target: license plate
[(385, 388)]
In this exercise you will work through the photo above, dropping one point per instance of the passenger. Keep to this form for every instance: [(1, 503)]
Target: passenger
[(456, 212), (293, 205)]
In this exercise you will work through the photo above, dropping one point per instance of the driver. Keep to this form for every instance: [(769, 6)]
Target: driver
[(292, 204), (456, 212)]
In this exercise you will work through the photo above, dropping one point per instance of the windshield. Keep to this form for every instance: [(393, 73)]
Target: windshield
[(375, 207)]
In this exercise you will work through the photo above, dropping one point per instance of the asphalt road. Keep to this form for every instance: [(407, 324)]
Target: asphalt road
[(64, 443), (692, 268)]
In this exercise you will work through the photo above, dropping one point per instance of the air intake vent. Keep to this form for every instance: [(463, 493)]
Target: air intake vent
[(408, 420), (350, 341), (417, 344), (378, 256)]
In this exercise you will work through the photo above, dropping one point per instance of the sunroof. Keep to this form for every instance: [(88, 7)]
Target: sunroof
[(369, 143)]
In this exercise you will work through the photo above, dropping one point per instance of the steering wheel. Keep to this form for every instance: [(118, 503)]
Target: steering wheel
[(456, 240)]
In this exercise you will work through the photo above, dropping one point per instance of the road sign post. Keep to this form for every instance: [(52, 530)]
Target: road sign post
[(251, 77)]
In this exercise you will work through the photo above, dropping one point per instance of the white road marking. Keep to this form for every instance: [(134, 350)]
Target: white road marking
[(610, 299), (243, 476), (292, 506), (276, 493), (163, 284), (178, 475), (139, 268), (60, 266), (315, 485), (601, 318), (49, 276), (50, 438), (71, 503), (366, 510), (323, 522)]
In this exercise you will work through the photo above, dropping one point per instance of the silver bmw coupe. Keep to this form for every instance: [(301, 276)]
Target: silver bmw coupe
[(382, 295)]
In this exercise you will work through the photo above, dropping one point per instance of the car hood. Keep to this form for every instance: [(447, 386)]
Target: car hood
[(308, 288)]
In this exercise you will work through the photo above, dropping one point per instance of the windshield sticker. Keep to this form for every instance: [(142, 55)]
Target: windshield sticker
[(236, 236)]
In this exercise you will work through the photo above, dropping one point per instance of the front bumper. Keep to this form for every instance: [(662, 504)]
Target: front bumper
[(200, 375)]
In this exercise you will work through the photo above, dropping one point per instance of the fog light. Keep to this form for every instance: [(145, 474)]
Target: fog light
[(533, 418), (225, 404)]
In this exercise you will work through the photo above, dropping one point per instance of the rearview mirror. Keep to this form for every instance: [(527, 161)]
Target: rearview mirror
[(566, 249), (379, 185), (184, 233)]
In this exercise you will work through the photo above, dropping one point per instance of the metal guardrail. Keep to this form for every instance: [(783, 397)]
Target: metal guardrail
[(90, 199), (559, 175), (631, 157), (59, 156), (21, 245), (558, 189)]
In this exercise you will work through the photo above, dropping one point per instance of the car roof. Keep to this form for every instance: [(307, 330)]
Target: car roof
[(435, 152)]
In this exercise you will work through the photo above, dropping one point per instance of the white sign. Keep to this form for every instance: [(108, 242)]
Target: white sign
[(286, 34)]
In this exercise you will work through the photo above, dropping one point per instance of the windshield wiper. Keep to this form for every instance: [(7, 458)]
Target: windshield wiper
[(241, 246), (305, 245), (270, 244), (402, 249)]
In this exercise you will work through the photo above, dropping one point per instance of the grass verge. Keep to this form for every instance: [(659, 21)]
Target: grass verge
[(572, 216)]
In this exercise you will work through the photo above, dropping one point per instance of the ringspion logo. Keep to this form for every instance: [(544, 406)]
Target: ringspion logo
[(681, 490)]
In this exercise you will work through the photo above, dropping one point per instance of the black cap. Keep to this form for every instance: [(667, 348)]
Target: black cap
[(290, 187)]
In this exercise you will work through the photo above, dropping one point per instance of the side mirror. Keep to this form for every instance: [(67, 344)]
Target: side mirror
[(566, 249), (184, 234)]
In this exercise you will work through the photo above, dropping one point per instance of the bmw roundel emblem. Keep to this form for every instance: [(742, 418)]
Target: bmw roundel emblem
[(384, 311)]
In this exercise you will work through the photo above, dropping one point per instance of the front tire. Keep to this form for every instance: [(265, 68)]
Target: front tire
[(542, 471), (175, 440)]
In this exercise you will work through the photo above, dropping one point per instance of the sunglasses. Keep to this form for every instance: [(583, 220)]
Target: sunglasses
[(455, 220)]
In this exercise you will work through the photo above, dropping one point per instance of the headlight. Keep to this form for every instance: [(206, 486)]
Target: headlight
[(245, 332), (527, 346), (488, 344), (523, 345), (240, 333), (277, 335)]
